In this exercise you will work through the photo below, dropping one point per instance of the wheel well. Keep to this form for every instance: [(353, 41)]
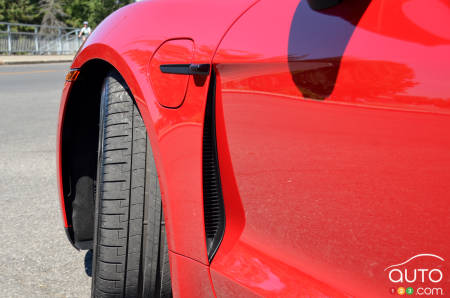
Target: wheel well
[(79, 151)]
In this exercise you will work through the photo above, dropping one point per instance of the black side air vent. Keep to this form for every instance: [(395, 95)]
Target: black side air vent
[(212, 190)]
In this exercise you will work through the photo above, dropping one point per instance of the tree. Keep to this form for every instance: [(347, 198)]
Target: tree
[(58, 12), (78, 11), (52, 13), (93, 11), (19, 11)]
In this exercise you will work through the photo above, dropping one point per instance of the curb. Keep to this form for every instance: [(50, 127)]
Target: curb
[(14, 62)]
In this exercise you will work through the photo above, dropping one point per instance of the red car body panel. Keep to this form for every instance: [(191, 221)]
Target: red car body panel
[(335, 190), (192, 278), (334, 151)]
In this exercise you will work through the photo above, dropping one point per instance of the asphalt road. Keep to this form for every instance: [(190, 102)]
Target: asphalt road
[(36, 260)]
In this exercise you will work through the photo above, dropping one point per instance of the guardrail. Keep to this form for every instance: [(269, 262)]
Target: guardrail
[(17, 38)]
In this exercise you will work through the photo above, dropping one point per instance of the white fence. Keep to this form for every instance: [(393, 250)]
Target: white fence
[(18, 38)]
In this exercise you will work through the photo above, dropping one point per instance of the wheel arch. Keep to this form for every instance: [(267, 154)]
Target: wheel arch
[(78, 143)]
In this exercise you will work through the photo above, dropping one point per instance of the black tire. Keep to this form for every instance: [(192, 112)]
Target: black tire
[(130, 249)]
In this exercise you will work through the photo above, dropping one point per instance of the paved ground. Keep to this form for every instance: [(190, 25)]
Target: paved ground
[(36, 260)]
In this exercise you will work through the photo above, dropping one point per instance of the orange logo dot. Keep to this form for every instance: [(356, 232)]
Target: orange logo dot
[(401, 291)]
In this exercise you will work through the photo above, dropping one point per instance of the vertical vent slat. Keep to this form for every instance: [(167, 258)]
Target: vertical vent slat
[(212, 190)]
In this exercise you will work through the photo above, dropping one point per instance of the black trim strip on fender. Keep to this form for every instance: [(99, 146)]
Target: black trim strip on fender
[(186, 69)]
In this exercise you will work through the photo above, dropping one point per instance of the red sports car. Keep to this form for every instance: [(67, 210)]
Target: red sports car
[(261, 148)]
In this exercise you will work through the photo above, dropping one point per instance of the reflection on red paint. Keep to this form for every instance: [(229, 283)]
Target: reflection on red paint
[(264, 276)]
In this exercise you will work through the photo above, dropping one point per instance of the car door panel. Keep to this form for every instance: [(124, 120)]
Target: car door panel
[(337, 142)]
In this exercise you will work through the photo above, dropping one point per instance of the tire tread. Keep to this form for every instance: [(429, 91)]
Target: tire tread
[(118, 250)]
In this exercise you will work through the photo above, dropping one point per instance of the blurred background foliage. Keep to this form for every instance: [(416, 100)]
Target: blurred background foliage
[(70, 13)]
